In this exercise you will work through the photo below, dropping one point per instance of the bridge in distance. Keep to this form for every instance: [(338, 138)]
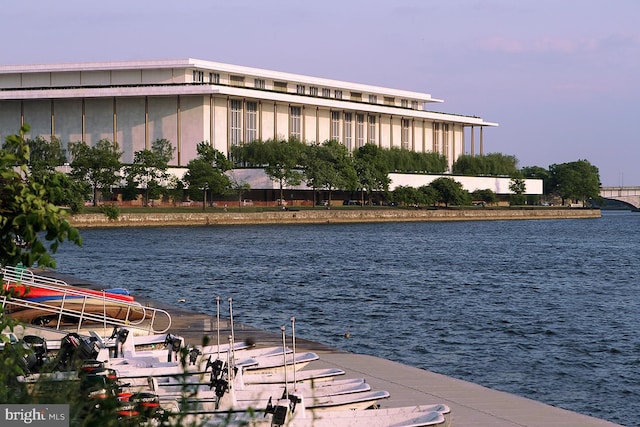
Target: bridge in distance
[(628, 195)]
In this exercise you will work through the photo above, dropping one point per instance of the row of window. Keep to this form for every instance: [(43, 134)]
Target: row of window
[(250, 133), (237, 80)]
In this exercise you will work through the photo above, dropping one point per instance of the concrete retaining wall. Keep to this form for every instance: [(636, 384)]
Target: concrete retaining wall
[(324, 217)]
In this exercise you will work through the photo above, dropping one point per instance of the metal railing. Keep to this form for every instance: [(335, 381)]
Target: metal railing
[(76, 304)]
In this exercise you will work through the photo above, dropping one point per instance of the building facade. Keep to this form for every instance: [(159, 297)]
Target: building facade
[(190, 101)]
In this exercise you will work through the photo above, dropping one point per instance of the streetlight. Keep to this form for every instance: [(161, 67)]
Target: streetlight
[(204, 198)]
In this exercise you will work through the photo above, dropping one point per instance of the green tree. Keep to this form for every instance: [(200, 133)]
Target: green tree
[(98, 165), (429, 195), (518, 187), (45, 156), (44, 159), (492, 164), (579, 180), (329, 167), (284, 159), (405, 195), (402, 160), (28, 218), (205, 174), (449, 191), (371, 169), (149, 169), (487, 196)]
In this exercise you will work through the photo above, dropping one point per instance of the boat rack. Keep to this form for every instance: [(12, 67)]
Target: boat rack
[(153, 320)]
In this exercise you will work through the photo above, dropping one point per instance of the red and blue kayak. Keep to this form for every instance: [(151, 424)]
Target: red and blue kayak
[(36, 293)]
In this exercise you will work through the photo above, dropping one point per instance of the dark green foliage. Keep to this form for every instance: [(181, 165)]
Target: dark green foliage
[(372, 169), (149, 170), (406, 161), (493, 164), (487, 196), (110, 211), (28, 215), (205, 175), (450, 191), (98, 165), (407, 196), (579, 181), (283, 161), (330, 167)]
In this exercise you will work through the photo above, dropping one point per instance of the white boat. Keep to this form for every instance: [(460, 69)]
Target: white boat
[(276, 364), (409, 416), (308, 375), (209, 401)]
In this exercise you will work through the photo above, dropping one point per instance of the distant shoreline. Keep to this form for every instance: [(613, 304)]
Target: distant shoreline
[(325, 217)]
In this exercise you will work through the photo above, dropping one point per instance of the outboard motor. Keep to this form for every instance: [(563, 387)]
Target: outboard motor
[(74, 348), (24, 355), (174, 343), (278, 413), (38, 346), (193, 355), (120, 335)]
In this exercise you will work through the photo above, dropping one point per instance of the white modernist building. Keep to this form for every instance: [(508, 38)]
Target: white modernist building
[(189, 101)]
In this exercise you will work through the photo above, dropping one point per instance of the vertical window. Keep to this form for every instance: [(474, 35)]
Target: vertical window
[(258, 83), (326, 92), (372, 129), (313, 91), (445, 139), (348, 120), (251, 122), (404, 103), (436, 137), (337, 94), (360, 130), (235, 127), (415, 105), (335, 125), (214, 78), (373, 99), (295, 126), (198, 76), (300, 89), (404, 137)]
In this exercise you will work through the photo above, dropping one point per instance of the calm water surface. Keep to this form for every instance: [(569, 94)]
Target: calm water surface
[(543, 309)]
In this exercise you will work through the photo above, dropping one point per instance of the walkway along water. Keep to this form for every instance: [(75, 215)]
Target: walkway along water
[(471, 405)]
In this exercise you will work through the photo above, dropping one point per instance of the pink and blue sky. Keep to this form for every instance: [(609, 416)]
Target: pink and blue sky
[(561, 77)]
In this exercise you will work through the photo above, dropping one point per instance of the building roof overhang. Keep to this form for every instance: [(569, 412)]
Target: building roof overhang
[(263, 95), (213, 66)]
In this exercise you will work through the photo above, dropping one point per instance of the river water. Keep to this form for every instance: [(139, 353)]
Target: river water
[(545, 309)]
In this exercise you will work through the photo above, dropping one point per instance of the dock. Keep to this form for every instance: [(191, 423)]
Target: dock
[(471, 405)]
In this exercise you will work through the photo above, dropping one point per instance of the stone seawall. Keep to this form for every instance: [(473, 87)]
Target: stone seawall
[(324, 217)]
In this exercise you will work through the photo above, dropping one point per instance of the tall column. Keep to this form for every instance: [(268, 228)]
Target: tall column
[(481, 140), (453, 144), (317, 141), (146, 122), (115, 122), (179, 124), (84, 122), (53, 121), (473, 141), (211, 120)]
